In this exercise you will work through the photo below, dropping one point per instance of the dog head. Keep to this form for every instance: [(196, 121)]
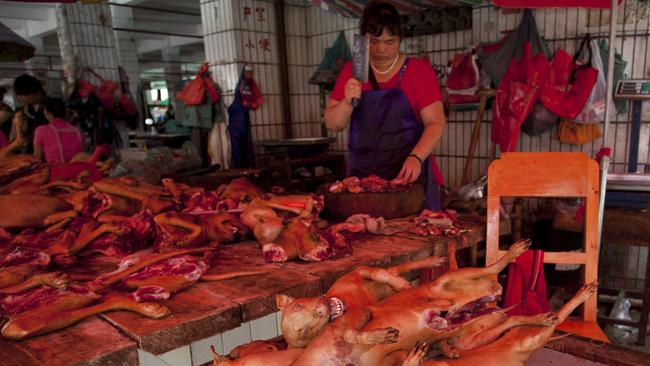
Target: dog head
[(303, 319)]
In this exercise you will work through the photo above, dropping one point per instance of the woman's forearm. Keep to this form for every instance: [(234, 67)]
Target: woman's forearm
[(337, 115), (429, 139)]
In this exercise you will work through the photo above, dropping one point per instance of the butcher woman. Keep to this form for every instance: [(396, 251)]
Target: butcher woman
[(400, 118)]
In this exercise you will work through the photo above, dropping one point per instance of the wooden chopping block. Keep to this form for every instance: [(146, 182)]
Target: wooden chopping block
[(389, 205)]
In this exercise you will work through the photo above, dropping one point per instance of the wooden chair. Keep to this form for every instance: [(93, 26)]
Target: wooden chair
[(551, 175)]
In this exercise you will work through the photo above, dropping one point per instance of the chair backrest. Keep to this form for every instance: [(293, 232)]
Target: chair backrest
[(548, 174)]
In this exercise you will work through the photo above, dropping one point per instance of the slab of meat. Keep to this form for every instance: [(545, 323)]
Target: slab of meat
[(46, 298), (94, 204), (154, 198), (21, 264), (135, 263), (20, 211), (177, 230), (33, 323), (124, 237), (240, 190), (373, 184), (298, 240), (430, 223), (171, 275)]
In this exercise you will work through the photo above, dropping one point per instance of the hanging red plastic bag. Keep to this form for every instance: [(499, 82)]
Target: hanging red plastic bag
[(569, 84), (463, 80), (194, 92), (106, 94), (516, 97)]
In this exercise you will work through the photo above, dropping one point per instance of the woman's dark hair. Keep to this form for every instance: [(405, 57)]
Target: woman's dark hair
[(380, 16), (27, 84), (56, 106)]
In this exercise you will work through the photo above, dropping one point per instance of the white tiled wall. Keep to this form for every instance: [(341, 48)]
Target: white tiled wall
[(199, 352), (86, 32)]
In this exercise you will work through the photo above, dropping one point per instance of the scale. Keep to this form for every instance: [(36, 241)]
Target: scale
[(631, 189)]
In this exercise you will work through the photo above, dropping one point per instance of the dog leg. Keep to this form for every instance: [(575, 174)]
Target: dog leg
[(402, 269), (476, 340), (353, 334), (386, 277)]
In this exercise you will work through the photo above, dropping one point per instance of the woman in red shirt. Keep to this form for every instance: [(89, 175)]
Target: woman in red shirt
[(400, 119), (59, 140)]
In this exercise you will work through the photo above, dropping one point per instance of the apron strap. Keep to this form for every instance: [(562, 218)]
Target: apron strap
[(402, 70), (58, 142)]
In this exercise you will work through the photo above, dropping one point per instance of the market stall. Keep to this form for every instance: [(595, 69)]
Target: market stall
[(326, 243)]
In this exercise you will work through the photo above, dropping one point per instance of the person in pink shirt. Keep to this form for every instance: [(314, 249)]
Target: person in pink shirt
[(58, 141)]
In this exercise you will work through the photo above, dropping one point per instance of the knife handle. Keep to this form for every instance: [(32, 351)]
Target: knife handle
[(355, 102)]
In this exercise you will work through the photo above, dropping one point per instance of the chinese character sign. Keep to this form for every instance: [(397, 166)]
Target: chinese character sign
[(259, 13), (247, 12), (263, 44)]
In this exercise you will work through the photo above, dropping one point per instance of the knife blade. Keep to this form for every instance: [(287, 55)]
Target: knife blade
[(360, 61)]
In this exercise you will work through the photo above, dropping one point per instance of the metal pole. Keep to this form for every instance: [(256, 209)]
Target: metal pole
[(604, 161)]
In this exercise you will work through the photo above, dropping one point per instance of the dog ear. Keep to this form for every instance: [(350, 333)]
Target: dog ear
[(283, 300)]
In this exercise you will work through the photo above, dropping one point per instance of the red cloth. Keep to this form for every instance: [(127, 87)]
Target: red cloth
[(516, 96), (251, 95), (419, 84), (527, 285), (58, 139), (84, 88), (523, 4)]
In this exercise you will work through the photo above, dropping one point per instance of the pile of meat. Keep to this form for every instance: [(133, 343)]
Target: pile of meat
[(372, 184), (436, 223), (79, 246)]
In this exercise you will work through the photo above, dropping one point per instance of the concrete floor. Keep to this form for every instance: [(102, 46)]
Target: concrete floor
[(548, 357)]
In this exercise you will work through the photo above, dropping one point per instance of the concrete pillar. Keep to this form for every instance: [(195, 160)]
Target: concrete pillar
[(86, 39), (244, 31), (127, 52)]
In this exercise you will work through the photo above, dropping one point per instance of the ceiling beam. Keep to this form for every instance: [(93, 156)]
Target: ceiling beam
[(34, 12), (149, 45)]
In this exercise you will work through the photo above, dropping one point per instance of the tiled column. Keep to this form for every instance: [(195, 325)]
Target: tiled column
[(243, 31), (127, 50), (86, 39)]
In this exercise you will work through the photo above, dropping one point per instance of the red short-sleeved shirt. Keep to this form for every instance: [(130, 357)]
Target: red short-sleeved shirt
[(419, 84)]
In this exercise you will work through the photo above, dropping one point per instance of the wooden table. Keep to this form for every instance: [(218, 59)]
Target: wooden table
[(210, 308)]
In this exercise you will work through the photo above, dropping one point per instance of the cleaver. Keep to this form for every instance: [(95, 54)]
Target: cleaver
[(360, 61)]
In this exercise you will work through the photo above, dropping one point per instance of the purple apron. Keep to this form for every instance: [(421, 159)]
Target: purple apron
[(384, 129)]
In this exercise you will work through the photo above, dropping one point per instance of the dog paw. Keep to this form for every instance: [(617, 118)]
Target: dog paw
[(448, 350), (587, 291), (380, 336), (416, 356), (519, 247), (545, 319), (403, 284)]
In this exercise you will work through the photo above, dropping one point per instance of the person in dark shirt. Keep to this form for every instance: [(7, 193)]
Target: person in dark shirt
[(29, 92)]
